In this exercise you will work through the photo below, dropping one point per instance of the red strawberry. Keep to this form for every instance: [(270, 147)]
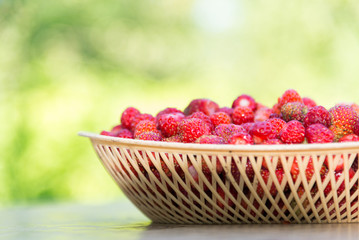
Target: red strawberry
[(349, 138), (167, 111), (204, 117), (117, 128), (145, 126), (242, 138), (262, 131), (206, 106), (220, 118), (292, 132), (293, 111), (276, 109), (107, 133), (242, 115), (262, 114), (309, 170), (317, 114), (309, 102), (226, 131), (356, 128), (192, 128), (140, 117), (149, 136), (343, 120), (168, 123), (318, 133), (265, 175), (248, 126), (245, 101), (277, 125), (222, 194), (210, 139), (227, 110), (289, 96), (127, 116), (124, 133)]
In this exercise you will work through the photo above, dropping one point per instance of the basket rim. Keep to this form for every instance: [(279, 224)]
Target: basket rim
[(223, 147)]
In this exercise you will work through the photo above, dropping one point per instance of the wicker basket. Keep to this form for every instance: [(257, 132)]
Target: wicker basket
[(219, 184)]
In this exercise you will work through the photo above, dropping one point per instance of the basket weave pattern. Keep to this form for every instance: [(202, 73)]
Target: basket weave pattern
[(159, 179)]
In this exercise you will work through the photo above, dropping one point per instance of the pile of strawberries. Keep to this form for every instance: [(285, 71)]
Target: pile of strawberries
[(292, 120)]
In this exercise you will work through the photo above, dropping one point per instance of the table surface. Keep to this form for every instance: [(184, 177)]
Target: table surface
[(121, 220)]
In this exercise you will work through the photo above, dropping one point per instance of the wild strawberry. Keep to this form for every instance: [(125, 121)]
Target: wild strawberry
[(309, 170), (349, 138), (265, 176), (293, 111), (337, 175), (293, 132), (277, 125), (174, 138), (117, 128), (192, 128), (227, 110), (248, 126), (127, 116), (210, 139), (167, 111), (168, 123), (124, 133), (220, 118), (318, 133), (226, 131), (149, 136), (273, 142), (276, 109), (140, 117), (245, 101), (222, 194), (343, 120), (242, 115), (262, 131), (356, 128), (203, 117), (262, 114), (145, 126), (317, 114), (242, 138), (309, 102), (107, 133), (206, 106), (289, 96)]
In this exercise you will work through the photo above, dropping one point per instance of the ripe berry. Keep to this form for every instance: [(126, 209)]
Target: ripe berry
[(245, 100), (174, 138), (227, 110), (226, 131), (277, 125), (140, 117), (309, 102), (167, 111), (203, 117), (220, 118), (168, 123), (349, 138), (124, 133), (293, 132), (265, 175), (242, 138), (210, 139), (262, 131), (262, 114), (317, 114), (309, 169), (289, 96), (318, 133), (192, 128), (343, 120), (149, 136), (127, 116), (206, 106), (242, 115)]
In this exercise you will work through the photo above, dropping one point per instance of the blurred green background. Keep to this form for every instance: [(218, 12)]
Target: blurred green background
[(73, 65)]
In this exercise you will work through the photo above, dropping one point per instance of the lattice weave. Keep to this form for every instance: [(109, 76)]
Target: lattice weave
[(173, 183)]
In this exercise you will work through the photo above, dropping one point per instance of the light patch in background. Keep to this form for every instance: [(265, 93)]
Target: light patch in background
[(217, 16)]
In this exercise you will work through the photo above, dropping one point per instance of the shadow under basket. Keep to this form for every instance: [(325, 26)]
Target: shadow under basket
[(232, 184)]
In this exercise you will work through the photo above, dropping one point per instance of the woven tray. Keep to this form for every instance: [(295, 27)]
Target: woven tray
[(210, 184)]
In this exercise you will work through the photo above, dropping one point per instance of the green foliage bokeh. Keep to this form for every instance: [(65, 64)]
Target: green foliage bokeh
[(67, 66)]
